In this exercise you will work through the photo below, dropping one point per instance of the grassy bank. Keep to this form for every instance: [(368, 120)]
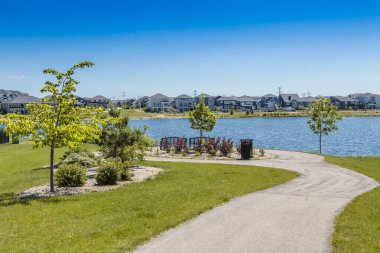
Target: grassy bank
[(21, 166), (358, 227), (117, 220), (140, 114)]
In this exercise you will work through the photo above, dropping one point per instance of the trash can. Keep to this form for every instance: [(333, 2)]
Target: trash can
[(246, 146)]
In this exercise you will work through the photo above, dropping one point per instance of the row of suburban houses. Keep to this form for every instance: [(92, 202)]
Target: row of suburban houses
[(15, 101), (269, 102)]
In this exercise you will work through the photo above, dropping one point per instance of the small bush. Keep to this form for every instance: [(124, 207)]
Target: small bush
[(81, 158), (261, 152), (201, 146), (107, 174), (165, 145), (213, 145), (238, 149), (70, 175), (79, 149), (226, 146), (180, 146), (124, 171)]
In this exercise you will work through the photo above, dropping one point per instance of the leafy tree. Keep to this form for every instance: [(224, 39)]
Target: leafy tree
[(57, 122), (114, 112), (123, 142), (323, 116), (202, 118)]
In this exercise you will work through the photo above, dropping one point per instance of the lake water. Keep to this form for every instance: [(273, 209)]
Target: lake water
[(357, 136)]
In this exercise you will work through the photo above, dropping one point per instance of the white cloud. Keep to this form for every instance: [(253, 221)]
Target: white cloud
[(17, 77)]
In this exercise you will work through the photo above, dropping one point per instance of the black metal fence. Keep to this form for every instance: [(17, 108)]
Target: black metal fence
[(168, 142), (194, 142)]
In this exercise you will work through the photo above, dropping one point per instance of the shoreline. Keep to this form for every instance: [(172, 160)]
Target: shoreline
[(239, 115)]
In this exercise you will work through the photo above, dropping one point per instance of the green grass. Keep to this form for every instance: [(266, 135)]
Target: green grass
[(21, 166), (357, 229), (121, 219)]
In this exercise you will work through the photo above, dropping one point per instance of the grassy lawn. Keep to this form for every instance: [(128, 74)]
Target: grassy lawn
[(121, 219), (358, 227), (21, 166)]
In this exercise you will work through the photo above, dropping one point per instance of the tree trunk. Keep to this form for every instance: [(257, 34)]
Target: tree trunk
[(201, 132), (52, 169), (320, 142)]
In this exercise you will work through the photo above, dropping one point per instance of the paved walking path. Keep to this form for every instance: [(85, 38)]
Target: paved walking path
[(297, 216)]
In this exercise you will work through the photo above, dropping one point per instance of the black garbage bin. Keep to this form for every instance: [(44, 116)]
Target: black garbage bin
[(246, 148)]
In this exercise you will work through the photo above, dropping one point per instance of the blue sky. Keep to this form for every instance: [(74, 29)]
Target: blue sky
[(174, 47)]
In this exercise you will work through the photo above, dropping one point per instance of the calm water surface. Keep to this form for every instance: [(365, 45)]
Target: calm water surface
[(357, 136)]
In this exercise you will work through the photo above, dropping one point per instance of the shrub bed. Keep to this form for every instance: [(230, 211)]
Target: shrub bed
[(70, 175), (107, 174)]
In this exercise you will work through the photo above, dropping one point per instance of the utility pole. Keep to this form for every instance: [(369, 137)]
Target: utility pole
[(279, 91), (195, 93), (124, 94)]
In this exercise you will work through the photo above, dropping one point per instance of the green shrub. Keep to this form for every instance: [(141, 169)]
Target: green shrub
[(81, 158), (70, 175), (107, 174), (79, 149), (261, 152), (125, 172)]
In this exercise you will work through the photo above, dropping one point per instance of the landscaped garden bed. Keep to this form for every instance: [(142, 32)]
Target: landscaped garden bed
[(140, 174), (207, 148)]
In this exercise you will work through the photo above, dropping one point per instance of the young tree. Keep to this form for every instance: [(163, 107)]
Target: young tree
[(202, 118), (57, 122), (323, 116), (121, 141)]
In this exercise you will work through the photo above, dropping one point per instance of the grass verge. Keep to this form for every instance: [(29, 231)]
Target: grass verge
[(21, 166), (121, 219), (357, 229)]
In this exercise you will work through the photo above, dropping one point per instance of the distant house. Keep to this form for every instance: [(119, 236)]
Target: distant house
[(79, 102), (159, 103), (142, 102), (247, 103), (9, 94), (209, 100), (268, 102), (18, 104), (226, 103), (303, 102), (286, 100), (344, 103), (184, 103), (97, 101), (367, 100)]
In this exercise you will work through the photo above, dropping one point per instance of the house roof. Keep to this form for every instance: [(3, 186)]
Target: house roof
[(158, 95), (203, 95), (289, 97), (183, 96), (246, 99), (230, 98), (367, 94), (345, 99), (100, 97), (269, 95), (23, 100), (306, 99), (2, 91)]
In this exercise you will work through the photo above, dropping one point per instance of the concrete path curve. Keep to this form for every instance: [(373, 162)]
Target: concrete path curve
[(297, 216)]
